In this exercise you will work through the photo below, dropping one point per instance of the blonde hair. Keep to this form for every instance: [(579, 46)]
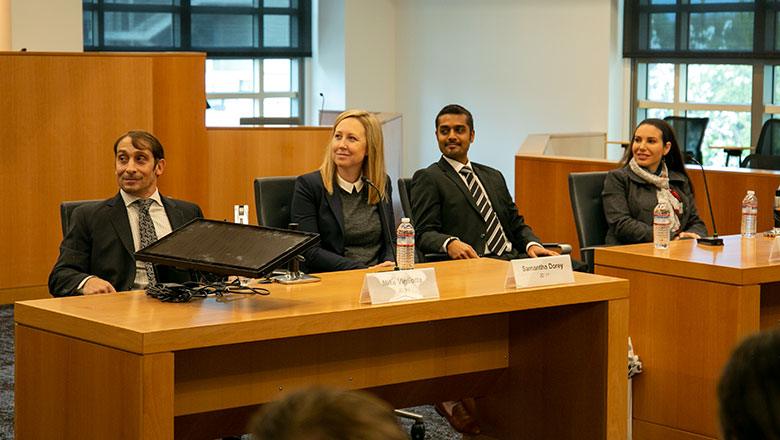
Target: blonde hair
[(373, 164)]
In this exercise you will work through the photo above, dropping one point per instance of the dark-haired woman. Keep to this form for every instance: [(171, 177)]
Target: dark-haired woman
[(652, 170)]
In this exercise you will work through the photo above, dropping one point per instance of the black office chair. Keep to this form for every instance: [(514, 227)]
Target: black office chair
[(586, 204), (273, 197), (66, 211), (690, 134), (767, 153)]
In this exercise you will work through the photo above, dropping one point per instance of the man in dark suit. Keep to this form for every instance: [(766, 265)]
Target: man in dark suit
[(464, 208), (97, 253)]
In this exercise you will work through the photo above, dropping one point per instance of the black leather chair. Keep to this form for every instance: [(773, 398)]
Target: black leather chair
[(586, 204), (690, 134), (273, 197), (66, 210), (767, 153)]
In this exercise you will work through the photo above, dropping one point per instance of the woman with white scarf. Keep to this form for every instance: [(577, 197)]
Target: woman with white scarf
[(652, 170)]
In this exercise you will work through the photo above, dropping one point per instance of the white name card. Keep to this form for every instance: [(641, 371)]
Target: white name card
[(399, 285), (542, 271)]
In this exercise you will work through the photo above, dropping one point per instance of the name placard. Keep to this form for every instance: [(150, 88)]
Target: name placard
[(542, 271), (399, 285)]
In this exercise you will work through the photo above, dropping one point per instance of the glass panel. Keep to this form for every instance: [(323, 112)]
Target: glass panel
[(223, 30), (777, 34), (720, 83), (662, 31), (663, 2), (659, 113), (87, 24), (276, 3), (724, 129), (277, 107), (276, 75), (694, 2), (228, 112), (242, 3), (660, 82), (276, 30), (721, 31), (143, 2), (776, 92), (231, 76), (140, 29)]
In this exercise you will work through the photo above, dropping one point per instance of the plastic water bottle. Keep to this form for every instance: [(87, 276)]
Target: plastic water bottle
[(749, 214), (405, 245), (661, 222), (776, 230)]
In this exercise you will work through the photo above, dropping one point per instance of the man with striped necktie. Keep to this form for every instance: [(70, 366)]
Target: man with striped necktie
[(464, 208)]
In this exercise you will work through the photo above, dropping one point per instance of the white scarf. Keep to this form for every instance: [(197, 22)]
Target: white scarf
[(663, 194)]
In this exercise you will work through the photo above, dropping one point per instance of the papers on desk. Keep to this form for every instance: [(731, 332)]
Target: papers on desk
[(399, 285), (542, 271)]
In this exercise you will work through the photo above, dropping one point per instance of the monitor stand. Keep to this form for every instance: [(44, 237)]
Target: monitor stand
[(294, 275)]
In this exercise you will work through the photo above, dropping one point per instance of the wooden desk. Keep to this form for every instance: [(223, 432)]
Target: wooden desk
[(546, 363), (690, 306)]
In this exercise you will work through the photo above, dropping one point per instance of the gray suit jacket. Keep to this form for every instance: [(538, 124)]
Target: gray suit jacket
[(443, 207), (100, 243), (629, 202)]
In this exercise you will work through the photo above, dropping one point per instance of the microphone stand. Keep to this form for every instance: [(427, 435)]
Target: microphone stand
[(383, 215), (714, 240)]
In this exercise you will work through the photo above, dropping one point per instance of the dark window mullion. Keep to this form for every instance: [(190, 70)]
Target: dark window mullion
[(186, 25)]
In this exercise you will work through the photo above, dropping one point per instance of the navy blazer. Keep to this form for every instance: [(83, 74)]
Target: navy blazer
[(100, 243), (317, 211), (443, 207)]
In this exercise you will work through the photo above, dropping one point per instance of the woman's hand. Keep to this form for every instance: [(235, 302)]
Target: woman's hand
[(383, 264)]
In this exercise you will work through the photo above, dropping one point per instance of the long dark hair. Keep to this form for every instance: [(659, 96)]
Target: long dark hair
[(674, 158)]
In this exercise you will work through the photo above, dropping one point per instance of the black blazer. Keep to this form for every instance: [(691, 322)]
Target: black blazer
[(317, 211), (443, 207), (100, 243)]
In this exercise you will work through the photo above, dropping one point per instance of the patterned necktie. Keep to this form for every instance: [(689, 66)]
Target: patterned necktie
[(148, 234), (496, 241)]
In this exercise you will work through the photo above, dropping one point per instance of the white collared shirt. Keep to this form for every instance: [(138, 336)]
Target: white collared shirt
[(347, 186)]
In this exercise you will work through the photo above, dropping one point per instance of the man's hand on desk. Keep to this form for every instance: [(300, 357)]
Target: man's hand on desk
[(686, 235), (538, 251), (97, 285), (459, 250)]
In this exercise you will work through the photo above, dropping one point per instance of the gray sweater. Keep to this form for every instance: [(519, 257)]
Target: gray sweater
[(629, 202)]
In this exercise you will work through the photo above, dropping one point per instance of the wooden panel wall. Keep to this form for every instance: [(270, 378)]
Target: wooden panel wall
[(239, 155), (542, 195), (60, 116)]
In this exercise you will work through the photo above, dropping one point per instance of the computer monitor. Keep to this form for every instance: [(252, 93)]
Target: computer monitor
[(228, 248)]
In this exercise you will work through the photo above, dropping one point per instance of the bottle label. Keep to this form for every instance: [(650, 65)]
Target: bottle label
[(749, 209), (661, 219)]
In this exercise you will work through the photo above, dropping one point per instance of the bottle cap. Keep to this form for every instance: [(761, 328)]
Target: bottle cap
[(405, 220)]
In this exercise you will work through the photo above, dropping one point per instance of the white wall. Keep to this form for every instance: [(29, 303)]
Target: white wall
[(520, 66), (327, 63), (47, 25), (5, 25)]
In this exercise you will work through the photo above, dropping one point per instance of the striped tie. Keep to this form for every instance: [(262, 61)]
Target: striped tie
[(496, 241), (148, 234)]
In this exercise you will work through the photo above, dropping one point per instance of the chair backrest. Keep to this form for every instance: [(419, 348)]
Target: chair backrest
[(690, 134), (585, 194), (405, 192), (273, 197), (66, 211), (761, 161), (769, 141)]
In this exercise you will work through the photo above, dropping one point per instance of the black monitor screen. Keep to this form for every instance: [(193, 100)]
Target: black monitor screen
[(228, 248)]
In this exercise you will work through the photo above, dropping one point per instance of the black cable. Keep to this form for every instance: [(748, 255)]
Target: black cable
[(178, 293)]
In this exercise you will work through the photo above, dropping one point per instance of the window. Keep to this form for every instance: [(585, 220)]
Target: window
[(256, 88), (254, 47), (706, 58)]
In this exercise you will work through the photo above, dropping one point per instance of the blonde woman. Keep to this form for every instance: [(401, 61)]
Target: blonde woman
[(338, 204)]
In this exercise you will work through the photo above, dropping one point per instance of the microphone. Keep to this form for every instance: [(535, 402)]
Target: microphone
[(322, 107), (383, 215), (714, 240)]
